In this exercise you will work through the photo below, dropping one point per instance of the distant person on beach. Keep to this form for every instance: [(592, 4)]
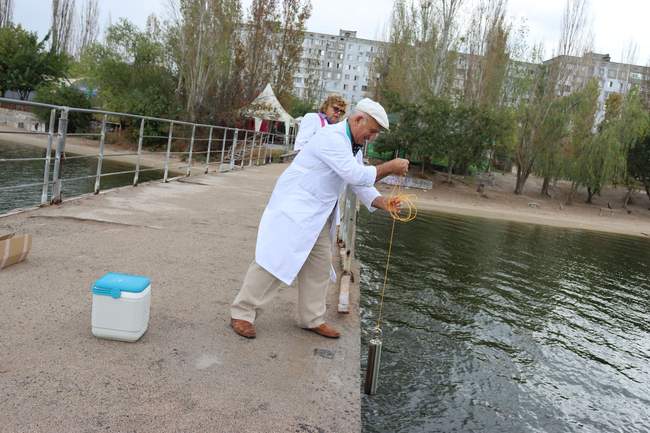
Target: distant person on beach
[(331, 111), (296, 230)]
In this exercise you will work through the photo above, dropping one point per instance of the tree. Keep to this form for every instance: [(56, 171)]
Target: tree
[(24, 62), (420, 57), (299, 107), (6, 12), (88, 26), (486, 44), (438, 129), (203, 40), (257, 52), (292, 26), (62, 26), (552, 80), (67, 96), (581, 152), (639, 162), (131, 71)]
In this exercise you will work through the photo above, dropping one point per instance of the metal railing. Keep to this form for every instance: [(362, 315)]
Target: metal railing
[(205, 146)]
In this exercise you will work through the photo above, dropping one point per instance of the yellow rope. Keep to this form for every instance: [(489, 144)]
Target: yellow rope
[(405, 213)]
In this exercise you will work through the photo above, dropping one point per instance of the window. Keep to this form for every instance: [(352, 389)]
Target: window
[(338, 75), (338, 66), (340, 56), (356, 77), (364, 88), (611, 73), (354, 88), (329, 64), (329, 75), (347, 76), (611, 84), (345, 87)]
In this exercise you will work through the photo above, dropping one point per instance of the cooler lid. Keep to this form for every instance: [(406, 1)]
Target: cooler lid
[(113, 284)]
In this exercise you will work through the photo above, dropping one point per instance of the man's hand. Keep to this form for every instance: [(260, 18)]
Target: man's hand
[(398, 166), (387, 203)]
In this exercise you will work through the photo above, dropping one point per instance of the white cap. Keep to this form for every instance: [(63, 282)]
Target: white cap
[(374, 109)]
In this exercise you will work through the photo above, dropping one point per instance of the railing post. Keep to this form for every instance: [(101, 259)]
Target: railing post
[(58, 163), (266, 146), (207, 156), (350, 235), (48, 155), (136, 177), (259, 149), (189, 159), (169, 147), (250, 161), (243, 155), (100, 157), (234, 145), (223, 148)]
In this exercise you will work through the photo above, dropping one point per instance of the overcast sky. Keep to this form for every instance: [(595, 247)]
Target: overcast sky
[(616, 23)]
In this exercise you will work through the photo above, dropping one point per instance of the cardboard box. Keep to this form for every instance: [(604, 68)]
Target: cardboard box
[(14, 248)]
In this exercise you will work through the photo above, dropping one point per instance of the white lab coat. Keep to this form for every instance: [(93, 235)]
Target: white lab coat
[(309, 125), (304, 198)]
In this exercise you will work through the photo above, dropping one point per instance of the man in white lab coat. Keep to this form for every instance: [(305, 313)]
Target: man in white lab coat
[(297, 229)]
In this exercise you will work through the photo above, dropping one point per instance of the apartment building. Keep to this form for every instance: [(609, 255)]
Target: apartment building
[(335, 64), (342, 64)]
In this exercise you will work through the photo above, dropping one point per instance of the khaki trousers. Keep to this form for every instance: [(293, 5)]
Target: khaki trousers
[(260, 286)]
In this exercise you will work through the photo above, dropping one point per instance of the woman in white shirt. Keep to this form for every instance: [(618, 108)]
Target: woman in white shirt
[(332, 111)]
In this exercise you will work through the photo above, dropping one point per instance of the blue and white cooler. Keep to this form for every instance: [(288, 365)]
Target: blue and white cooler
[(121, 306)]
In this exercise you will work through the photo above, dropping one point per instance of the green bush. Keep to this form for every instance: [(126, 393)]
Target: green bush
[(55, 94)]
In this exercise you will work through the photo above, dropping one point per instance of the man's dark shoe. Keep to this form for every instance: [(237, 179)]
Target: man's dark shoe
[(325, 330), (243, 328)]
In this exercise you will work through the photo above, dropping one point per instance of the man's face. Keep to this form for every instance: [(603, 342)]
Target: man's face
[(335, 112), (366, 129)]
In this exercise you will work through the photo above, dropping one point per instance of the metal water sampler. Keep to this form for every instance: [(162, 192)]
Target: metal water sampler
[(372, 371)]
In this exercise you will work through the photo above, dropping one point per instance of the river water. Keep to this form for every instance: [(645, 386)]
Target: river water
[(28, 172), (503, 327)]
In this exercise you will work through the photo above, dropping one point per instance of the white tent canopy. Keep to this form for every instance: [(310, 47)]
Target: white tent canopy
[(267, 107)]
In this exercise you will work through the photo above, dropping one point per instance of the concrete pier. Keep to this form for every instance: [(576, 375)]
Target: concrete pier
[(189, 373)]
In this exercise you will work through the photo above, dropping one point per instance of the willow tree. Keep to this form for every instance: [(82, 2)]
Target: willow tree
[(633, 123), (552, 81), (580, 150)]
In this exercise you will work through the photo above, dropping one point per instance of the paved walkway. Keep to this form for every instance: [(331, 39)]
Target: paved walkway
[(189, 373)]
